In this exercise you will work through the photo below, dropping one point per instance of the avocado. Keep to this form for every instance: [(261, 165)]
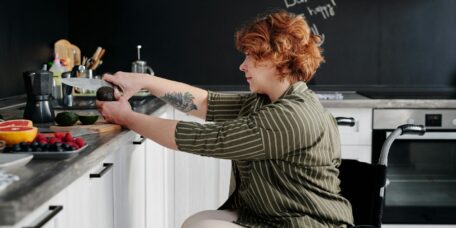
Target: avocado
[(66, 118), (105, 93), (90, 119)]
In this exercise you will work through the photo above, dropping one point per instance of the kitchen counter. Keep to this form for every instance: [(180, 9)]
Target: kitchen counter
[(354, 100), (40, 180)]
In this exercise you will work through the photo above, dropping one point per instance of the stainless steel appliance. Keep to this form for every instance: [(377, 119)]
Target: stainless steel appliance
[(422, 169)]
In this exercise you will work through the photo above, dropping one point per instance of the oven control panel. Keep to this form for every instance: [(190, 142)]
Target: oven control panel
[(439, 119)]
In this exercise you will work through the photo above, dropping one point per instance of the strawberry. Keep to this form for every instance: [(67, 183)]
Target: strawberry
[(79, 141), (68, 137), (59, 134), (52, 140)]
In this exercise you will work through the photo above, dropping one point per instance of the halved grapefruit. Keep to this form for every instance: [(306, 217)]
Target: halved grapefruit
[(14, 135)]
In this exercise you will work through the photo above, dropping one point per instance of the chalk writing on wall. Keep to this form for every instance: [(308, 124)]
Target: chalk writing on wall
[(315, 9)]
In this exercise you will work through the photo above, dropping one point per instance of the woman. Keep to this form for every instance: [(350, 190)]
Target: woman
[(284, 145)]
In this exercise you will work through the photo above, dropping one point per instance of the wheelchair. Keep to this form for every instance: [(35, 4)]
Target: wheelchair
[(364, 184)]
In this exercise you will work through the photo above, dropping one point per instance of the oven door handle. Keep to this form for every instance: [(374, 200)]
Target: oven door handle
[(428, 136)]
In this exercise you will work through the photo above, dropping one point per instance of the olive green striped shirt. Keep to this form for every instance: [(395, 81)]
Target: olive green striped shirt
[(285, 157)]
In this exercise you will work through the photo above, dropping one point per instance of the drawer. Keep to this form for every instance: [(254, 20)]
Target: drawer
[(361, 132)]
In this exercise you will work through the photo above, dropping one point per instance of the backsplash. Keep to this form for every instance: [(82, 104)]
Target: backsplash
[(28, 30)]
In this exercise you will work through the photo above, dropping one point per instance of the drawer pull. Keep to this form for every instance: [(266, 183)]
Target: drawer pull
[(107, 167), (54, 211), (139, 141), (345, 121)]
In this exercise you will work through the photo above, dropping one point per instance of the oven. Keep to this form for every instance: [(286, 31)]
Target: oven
[(421, 187)]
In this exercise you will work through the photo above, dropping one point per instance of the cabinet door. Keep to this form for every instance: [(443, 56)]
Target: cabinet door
[(101, 194), (201, 183), (360, 153), (88, 202), (49, 215), (129, 182), (159, 176)]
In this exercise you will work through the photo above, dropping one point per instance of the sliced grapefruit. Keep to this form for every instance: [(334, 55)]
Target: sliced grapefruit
[(16, 123), (14, 135)]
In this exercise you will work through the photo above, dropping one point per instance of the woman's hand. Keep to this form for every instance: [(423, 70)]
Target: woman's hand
[(129, 83), (115, 111)]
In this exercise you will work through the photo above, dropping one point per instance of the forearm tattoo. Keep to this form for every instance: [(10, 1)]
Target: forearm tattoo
[(182, 101)]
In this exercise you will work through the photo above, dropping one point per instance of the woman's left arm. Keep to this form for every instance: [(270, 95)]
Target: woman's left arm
[(158, 129)]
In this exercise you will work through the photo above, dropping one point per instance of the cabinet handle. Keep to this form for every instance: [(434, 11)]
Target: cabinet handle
[(345, 121), (139, 141), (107, 167), (54, 211)]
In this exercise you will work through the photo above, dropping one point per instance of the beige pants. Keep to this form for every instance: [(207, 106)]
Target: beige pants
[(212, 219)]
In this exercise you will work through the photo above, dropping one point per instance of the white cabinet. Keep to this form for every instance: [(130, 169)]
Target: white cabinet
[(87, 202), (356, 141), (49, 215), (129, 183), (159, 190), (201, 183)]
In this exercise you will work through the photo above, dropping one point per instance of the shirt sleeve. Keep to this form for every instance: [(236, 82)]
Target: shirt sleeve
[(225, 106), (271, 133)]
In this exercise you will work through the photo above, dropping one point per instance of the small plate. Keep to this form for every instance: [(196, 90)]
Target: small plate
[(51, 154), (12, 161)]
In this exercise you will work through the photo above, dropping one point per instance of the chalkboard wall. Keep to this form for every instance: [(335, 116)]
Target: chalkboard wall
[(402, 43), (367, 44)]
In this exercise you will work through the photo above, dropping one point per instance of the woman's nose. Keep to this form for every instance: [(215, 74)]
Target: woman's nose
[(243, 67)]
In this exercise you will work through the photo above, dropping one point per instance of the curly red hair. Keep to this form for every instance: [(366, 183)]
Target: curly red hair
[(286, 40)]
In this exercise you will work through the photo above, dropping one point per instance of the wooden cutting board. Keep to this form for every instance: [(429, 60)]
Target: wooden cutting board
[(96, 127), (70, 52)]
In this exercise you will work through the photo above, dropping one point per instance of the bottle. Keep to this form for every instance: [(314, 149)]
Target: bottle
[(57, 69)]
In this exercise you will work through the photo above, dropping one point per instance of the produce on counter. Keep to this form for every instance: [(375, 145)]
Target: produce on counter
[(66, 118), (57, 142), (16, 123), (88, 119), (16, 134), (105, 93)]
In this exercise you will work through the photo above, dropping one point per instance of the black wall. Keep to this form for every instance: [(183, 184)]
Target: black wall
[(28, 30), (368, 44)]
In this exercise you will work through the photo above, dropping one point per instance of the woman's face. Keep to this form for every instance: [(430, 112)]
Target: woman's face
[(261, 76)]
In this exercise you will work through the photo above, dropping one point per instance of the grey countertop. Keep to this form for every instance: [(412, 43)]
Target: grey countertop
[(40, 180)]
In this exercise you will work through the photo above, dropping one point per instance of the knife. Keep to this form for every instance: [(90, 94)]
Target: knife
[(87, 83)]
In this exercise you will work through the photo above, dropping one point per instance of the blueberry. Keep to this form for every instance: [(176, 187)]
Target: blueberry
[(35, 144), (17, 148)]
